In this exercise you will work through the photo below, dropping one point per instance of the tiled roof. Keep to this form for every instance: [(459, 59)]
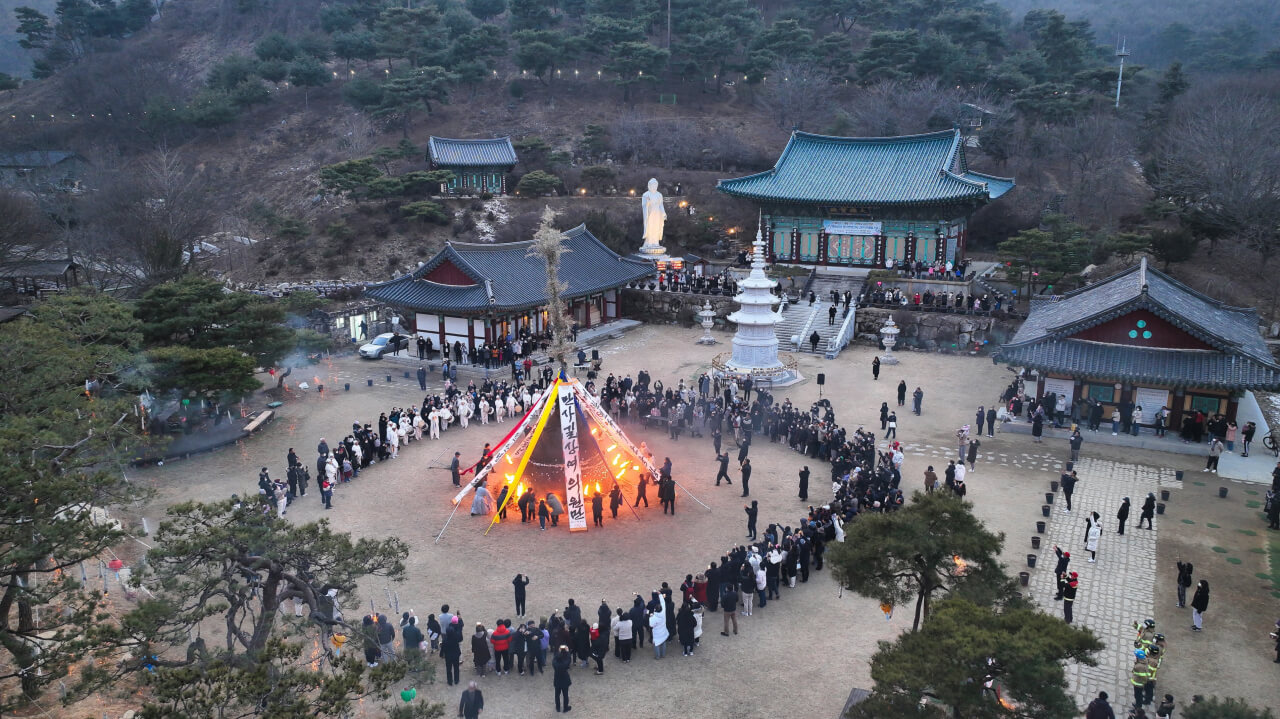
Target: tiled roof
[(35, 268), (1241, 354), (35, 158), (1138, 365), (507, 278), (912, 169), (496, 152)]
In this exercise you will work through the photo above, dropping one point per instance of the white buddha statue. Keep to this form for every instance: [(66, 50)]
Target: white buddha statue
[(655, 216)]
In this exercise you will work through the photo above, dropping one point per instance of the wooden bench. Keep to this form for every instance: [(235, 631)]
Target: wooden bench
[(256, 423)]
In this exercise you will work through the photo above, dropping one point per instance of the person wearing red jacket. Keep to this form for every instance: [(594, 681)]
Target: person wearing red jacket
[(501, 638)]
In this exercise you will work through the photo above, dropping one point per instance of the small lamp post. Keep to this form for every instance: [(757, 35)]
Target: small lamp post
[(708, 316), (889, 335)]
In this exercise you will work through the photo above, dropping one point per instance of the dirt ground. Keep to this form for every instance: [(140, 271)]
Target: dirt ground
[(814, 639)]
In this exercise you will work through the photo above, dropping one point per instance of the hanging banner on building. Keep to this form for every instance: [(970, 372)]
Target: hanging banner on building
[(1150, 400), (851, 227), (1060, 387), (575, 506)]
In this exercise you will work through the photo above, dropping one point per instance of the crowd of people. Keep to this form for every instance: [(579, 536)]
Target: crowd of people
[(738, 584), (880, 296)]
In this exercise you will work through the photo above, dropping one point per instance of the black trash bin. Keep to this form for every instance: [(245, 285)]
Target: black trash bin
[(1040, 527), (1031, 561), (1044, 509), (1035, 542)]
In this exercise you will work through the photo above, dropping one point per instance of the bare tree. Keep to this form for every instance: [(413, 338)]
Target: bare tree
[(147, 219), (1101, 169), (796, 93), (1219, 164), (24, 229)]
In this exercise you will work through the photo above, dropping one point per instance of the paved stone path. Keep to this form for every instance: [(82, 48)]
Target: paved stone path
[(1119, 589)]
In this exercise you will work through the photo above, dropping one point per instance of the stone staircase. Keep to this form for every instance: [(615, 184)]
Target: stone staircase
[(801, 320)]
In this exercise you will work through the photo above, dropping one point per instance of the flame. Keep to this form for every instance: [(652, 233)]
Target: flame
[(1005, 702), (636, 467), (520, 489), (510, 478), (509, 459), (597, 488), (616, 457), (622, 472), (610, 448), (961, 565), (593, 431)]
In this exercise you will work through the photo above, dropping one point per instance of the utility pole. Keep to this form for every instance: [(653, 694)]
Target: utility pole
[(668, 25), (1122, 53)]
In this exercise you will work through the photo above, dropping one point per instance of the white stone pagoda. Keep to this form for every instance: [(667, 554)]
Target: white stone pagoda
[(755, 344)]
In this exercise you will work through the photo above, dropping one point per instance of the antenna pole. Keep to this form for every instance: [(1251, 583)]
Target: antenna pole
[(1122, 53)]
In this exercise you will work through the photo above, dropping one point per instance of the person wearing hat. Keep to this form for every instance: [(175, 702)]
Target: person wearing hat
[(1139, 676), (1069, 597), (1154, 657), (599, 646)]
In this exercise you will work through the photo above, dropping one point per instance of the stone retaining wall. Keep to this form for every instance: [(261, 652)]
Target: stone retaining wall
[(934, 330), (673, 307)]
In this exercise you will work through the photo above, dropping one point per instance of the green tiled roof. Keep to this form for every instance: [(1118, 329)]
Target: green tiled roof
[(447, 152), (912, 169)]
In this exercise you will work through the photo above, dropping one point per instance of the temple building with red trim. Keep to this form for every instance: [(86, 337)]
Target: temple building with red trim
[(1143, 338), (480, 293)]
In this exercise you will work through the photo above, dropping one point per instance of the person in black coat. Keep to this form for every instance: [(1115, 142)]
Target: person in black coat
[(519, 583), (723, 473), (1122, 515), (641, 489), (561, 680), (597, 509), (572, 614), (804, 483), (713, 586), (580, 636), (638, 623), (451, 650), (686, 626), (752, 511), (902, 393), (991, 421), (1069, 480), (605, 615), (1148, 510), (746, 477)]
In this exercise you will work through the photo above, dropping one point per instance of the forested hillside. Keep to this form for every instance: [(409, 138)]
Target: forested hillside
[(303, 124)]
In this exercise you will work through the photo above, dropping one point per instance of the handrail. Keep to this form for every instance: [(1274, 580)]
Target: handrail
[(804, 331), (808, 283), (841, 338)]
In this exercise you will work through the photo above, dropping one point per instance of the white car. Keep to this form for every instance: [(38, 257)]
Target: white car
[(386, 343)]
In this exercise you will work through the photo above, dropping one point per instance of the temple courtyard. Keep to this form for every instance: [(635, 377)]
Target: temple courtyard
[(805, 652)]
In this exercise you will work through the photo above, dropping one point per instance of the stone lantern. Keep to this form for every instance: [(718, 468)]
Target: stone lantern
[(889, 335), (708, 317)]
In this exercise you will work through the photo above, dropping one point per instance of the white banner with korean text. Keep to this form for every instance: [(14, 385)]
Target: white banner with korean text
[(574, 503), (851, 227)]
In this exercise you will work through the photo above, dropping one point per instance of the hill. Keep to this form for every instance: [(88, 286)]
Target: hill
[(218, 118)]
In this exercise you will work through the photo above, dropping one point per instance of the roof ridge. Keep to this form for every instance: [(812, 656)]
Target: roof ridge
[(885, 139), (470, 139)]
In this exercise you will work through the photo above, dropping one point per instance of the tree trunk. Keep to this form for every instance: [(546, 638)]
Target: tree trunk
[(915, 625)]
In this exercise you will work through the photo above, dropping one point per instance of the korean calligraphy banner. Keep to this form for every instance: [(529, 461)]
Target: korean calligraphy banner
[(575, 505)]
